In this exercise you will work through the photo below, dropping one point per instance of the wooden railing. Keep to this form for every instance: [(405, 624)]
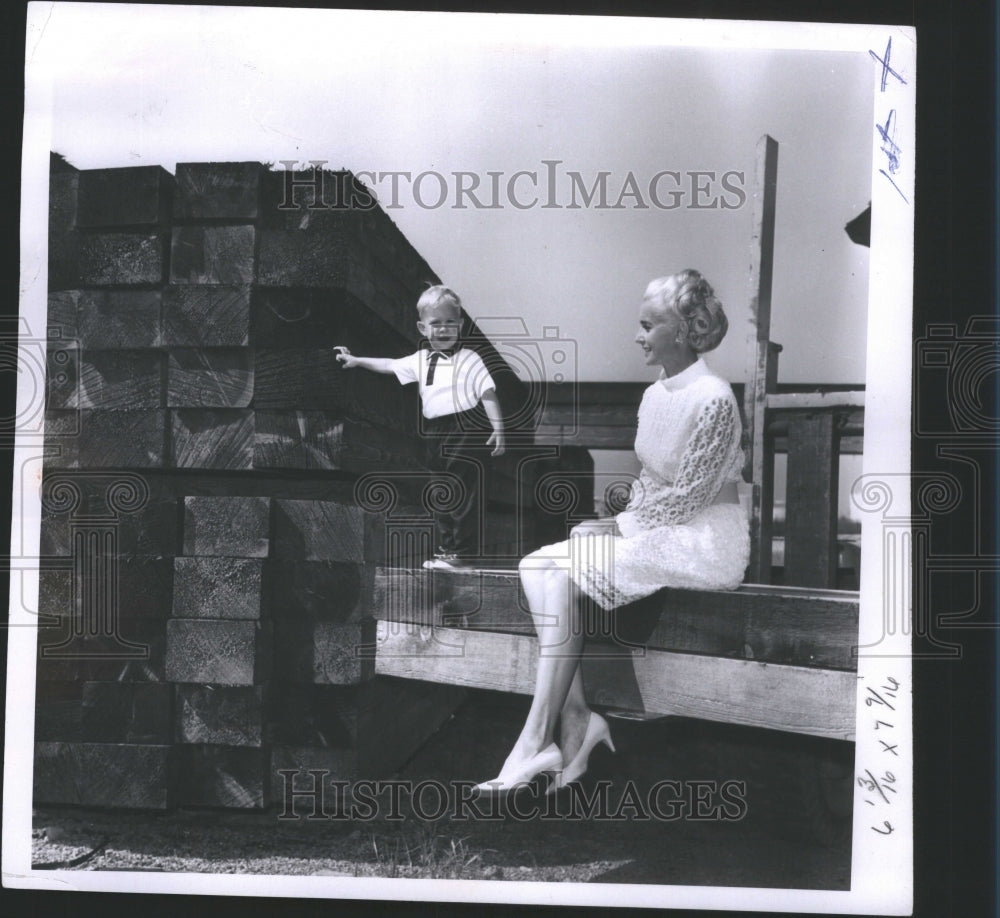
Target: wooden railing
[(810, 424)]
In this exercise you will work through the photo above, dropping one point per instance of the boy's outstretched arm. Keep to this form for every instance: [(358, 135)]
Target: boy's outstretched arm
[(375, 364), (491, 405)]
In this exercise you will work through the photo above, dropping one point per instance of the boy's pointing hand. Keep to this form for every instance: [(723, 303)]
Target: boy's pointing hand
[(345, 357)]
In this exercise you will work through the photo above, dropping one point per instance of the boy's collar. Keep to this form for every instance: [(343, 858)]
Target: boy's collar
[(446, 352)]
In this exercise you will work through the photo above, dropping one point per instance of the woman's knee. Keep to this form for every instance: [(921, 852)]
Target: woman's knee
[(535, 565)]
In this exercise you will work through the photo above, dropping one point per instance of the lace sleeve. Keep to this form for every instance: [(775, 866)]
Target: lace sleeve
[(701, 472)]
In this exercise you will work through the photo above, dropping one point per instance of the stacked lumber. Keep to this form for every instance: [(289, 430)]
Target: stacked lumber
[(219, 652), (103, 726), (189, 362)]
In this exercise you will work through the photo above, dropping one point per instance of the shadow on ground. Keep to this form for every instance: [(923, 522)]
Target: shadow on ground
[(681, 803)]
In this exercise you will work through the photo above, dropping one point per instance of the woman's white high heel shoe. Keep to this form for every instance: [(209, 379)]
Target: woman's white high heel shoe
[(597, 732), (548, 761)]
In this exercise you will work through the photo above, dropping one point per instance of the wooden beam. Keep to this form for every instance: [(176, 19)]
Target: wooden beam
[(761, 356), (770, 624), (789, 698), (815, 400), (811, 500)]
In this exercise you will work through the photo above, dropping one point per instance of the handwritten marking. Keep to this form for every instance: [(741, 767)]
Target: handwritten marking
[(877, 699), (880, 788), (884, 61), (889, 146), (894, 185), (873, 784)]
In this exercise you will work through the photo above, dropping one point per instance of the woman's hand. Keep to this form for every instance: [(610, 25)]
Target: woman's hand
[(496, 440), (606, 525)]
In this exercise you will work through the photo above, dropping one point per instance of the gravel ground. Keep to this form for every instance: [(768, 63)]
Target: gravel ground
[(794, 832)]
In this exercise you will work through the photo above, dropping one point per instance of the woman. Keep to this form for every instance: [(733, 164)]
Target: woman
[(683, 527)]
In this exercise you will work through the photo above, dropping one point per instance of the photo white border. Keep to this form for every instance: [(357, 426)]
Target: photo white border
[(876, 858)]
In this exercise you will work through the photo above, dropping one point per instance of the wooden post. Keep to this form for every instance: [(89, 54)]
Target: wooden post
[(761, 375), (811, 503)]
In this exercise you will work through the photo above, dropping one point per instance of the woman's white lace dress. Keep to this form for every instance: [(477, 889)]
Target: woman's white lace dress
[(672, 533)]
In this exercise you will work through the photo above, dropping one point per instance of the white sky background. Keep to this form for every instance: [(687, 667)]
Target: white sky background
[(148, 85)]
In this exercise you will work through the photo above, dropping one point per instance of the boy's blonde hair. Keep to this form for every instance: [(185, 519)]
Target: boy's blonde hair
[(434, 296)]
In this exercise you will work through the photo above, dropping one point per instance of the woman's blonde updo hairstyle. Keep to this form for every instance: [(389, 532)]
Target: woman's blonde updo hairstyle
[(691, 296)]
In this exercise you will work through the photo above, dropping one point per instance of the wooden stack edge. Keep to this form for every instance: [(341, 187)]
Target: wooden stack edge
[(650, 682), (779, 625), (206, 765), (773, 657)]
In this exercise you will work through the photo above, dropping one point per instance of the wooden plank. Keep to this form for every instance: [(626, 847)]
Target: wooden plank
[(587, 437), (815, 400), (109, 319), (212, 255), (130, 196), (761, 354), (102, 774), (223, 588), (211, 438), (220, 715), (217, 190), (234, 777), (482, 600), (236, 527), (789, 698), (121, 258), (121, 438), (319, 590), (149, 530), (591, 415), (321, 253), (218, 652), (62, 377), (152, 713), (310, 379), (121, 379), (127, 712), (209, 378), (143, 586), (323, 440), (63, 243), (811, 501), (64, 658), (196, 315), (777, 625), (62, 320), (318, 317), (324, 653), (317, 530), (57, 721)]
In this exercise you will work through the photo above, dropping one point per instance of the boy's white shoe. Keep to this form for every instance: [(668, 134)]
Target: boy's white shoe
[(446, 562)]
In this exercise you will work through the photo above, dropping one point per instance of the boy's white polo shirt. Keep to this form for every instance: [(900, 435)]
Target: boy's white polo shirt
[(460, 380)]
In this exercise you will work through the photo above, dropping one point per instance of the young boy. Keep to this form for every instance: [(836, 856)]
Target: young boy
[(456, 391)]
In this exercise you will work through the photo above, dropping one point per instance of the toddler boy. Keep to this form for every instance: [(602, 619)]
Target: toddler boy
[(459, 402)]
